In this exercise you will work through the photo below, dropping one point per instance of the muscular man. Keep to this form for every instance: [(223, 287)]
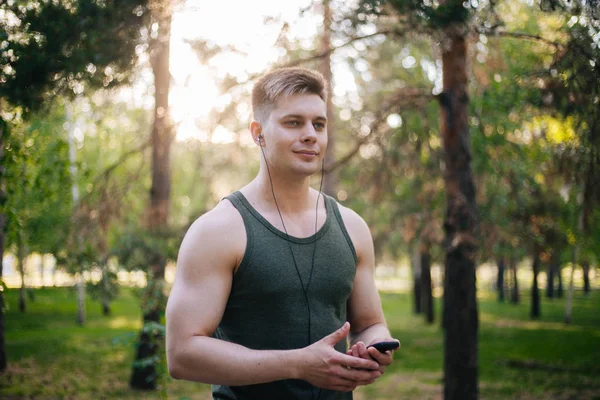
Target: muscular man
[(273, 280)]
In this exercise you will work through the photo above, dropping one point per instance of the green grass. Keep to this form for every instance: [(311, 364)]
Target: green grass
[(50, 357)]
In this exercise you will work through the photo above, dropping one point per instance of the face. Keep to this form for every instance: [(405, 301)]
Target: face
[(295, 134)]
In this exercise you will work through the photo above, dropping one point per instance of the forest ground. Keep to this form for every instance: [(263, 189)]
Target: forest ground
[(50, 357)]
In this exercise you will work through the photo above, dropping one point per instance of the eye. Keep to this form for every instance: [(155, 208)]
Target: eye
[(293, 123), (319, 126)]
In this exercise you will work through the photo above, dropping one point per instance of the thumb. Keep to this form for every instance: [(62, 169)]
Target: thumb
[(338, 335)]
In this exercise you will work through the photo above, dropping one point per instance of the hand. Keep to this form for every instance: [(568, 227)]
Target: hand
[(359, 349), (325, 367)]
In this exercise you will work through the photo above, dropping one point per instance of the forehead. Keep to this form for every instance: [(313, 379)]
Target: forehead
[(307, 105)]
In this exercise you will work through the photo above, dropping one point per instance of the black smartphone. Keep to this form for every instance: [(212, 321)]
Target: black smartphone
[(385, 346)]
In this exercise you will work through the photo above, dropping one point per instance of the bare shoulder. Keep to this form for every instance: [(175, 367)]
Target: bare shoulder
[(355, 224), (358, 230), (217, 239)]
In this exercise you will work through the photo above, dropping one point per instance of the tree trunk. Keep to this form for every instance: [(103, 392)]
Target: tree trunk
[(80, 298), (552, 271), (586, 276), (54, 275), (75, 195), (559, 288), (460, 319), (426, 291), (514, 293), (3, 137), (569, 302), (416, 264), (535, 292), (144, 374), (500, 279), (105, 289), (42, 270), (330, 180), (21, 268)]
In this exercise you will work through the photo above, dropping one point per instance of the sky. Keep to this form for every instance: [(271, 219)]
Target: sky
[(225, 22)]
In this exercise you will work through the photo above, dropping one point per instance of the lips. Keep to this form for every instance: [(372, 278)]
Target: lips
[(307, 152)]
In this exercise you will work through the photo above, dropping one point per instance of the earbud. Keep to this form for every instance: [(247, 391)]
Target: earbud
[(259, 138)]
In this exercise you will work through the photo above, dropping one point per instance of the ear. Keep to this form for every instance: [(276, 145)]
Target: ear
[(256, 131)]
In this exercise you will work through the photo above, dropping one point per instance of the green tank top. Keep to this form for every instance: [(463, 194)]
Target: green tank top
[(266, 309)]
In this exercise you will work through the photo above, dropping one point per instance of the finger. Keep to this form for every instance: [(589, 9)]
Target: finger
[(356, 375), (356, 362), (355, 352), (341, 381), (338, 335), (362, 351), (381, 358)]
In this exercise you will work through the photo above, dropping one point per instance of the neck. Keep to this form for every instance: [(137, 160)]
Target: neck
[(293, 194)]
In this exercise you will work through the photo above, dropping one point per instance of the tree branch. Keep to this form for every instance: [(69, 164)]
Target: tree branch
[(321, 54), (106, 173), (402, 97), (325, 53), (124, 157), (522, 35)]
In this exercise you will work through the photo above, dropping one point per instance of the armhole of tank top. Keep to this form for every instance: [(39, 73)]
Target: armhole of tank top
[(235, 202), (338, 216)]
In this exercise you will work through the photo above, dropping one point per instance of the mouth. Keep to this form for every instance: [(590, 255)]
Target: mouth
[(307, 152)]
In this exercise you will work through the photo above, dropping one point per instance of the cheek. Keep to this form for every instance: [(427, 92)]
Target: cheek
[(324, 140)]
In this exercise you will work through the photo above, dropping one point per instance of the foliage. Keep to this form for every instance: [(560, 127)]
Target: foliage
[(63, 46), (106, 289), (38, 183), (424, 16), (140, 250)]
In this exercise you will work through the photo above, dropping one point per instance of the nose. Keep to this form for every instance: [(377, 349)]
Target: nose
[(309, 135)]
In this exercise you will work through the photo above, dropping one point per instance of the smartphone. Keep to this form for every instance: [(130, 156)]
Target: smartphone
[(385, 346)]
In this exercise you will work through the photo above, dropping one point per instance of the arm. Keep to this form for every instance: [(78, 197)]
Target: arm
[(209, 254), (364, 306)]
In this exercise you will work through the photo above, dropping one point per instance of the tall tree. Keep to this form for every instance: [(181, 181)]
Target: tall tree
[(448, 22), (514, 291), (330, 179), (144, 374), (417, 276), (460, 303), (426, 284), (75, 197), (59, 47), (535, 291), (553, 270), (500, 279)]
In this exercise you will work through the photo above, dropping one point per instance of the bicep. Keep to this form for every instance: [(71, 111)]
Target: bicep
[(364, 304), (202, 285), (196, 305)]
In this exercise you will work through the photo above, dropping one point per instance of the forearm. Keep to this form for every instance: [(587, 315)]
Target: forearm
[(368, 335), (209, 360)]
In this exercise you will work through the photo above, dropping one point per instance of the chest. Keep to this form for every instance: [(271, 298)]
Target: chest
[(299, 225), (279, 272)]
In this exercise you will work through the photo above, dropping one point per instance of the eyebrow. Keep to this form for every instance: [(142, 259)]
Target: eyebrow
[(319, 118)]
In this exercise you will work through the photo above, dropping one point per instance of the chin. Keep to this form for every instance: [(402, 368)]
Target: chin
[(306, 170)]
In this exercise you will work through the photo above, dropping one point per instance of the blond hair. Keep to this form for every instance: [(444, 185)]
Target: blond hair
[(285, 82)]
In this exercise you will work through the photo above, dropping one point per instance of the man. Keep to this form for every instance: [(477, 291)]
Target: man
[(266, 280)]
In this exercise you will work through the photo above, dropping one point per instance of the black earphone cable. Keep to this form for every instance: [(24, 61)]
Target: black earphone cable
[(288, 241)]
